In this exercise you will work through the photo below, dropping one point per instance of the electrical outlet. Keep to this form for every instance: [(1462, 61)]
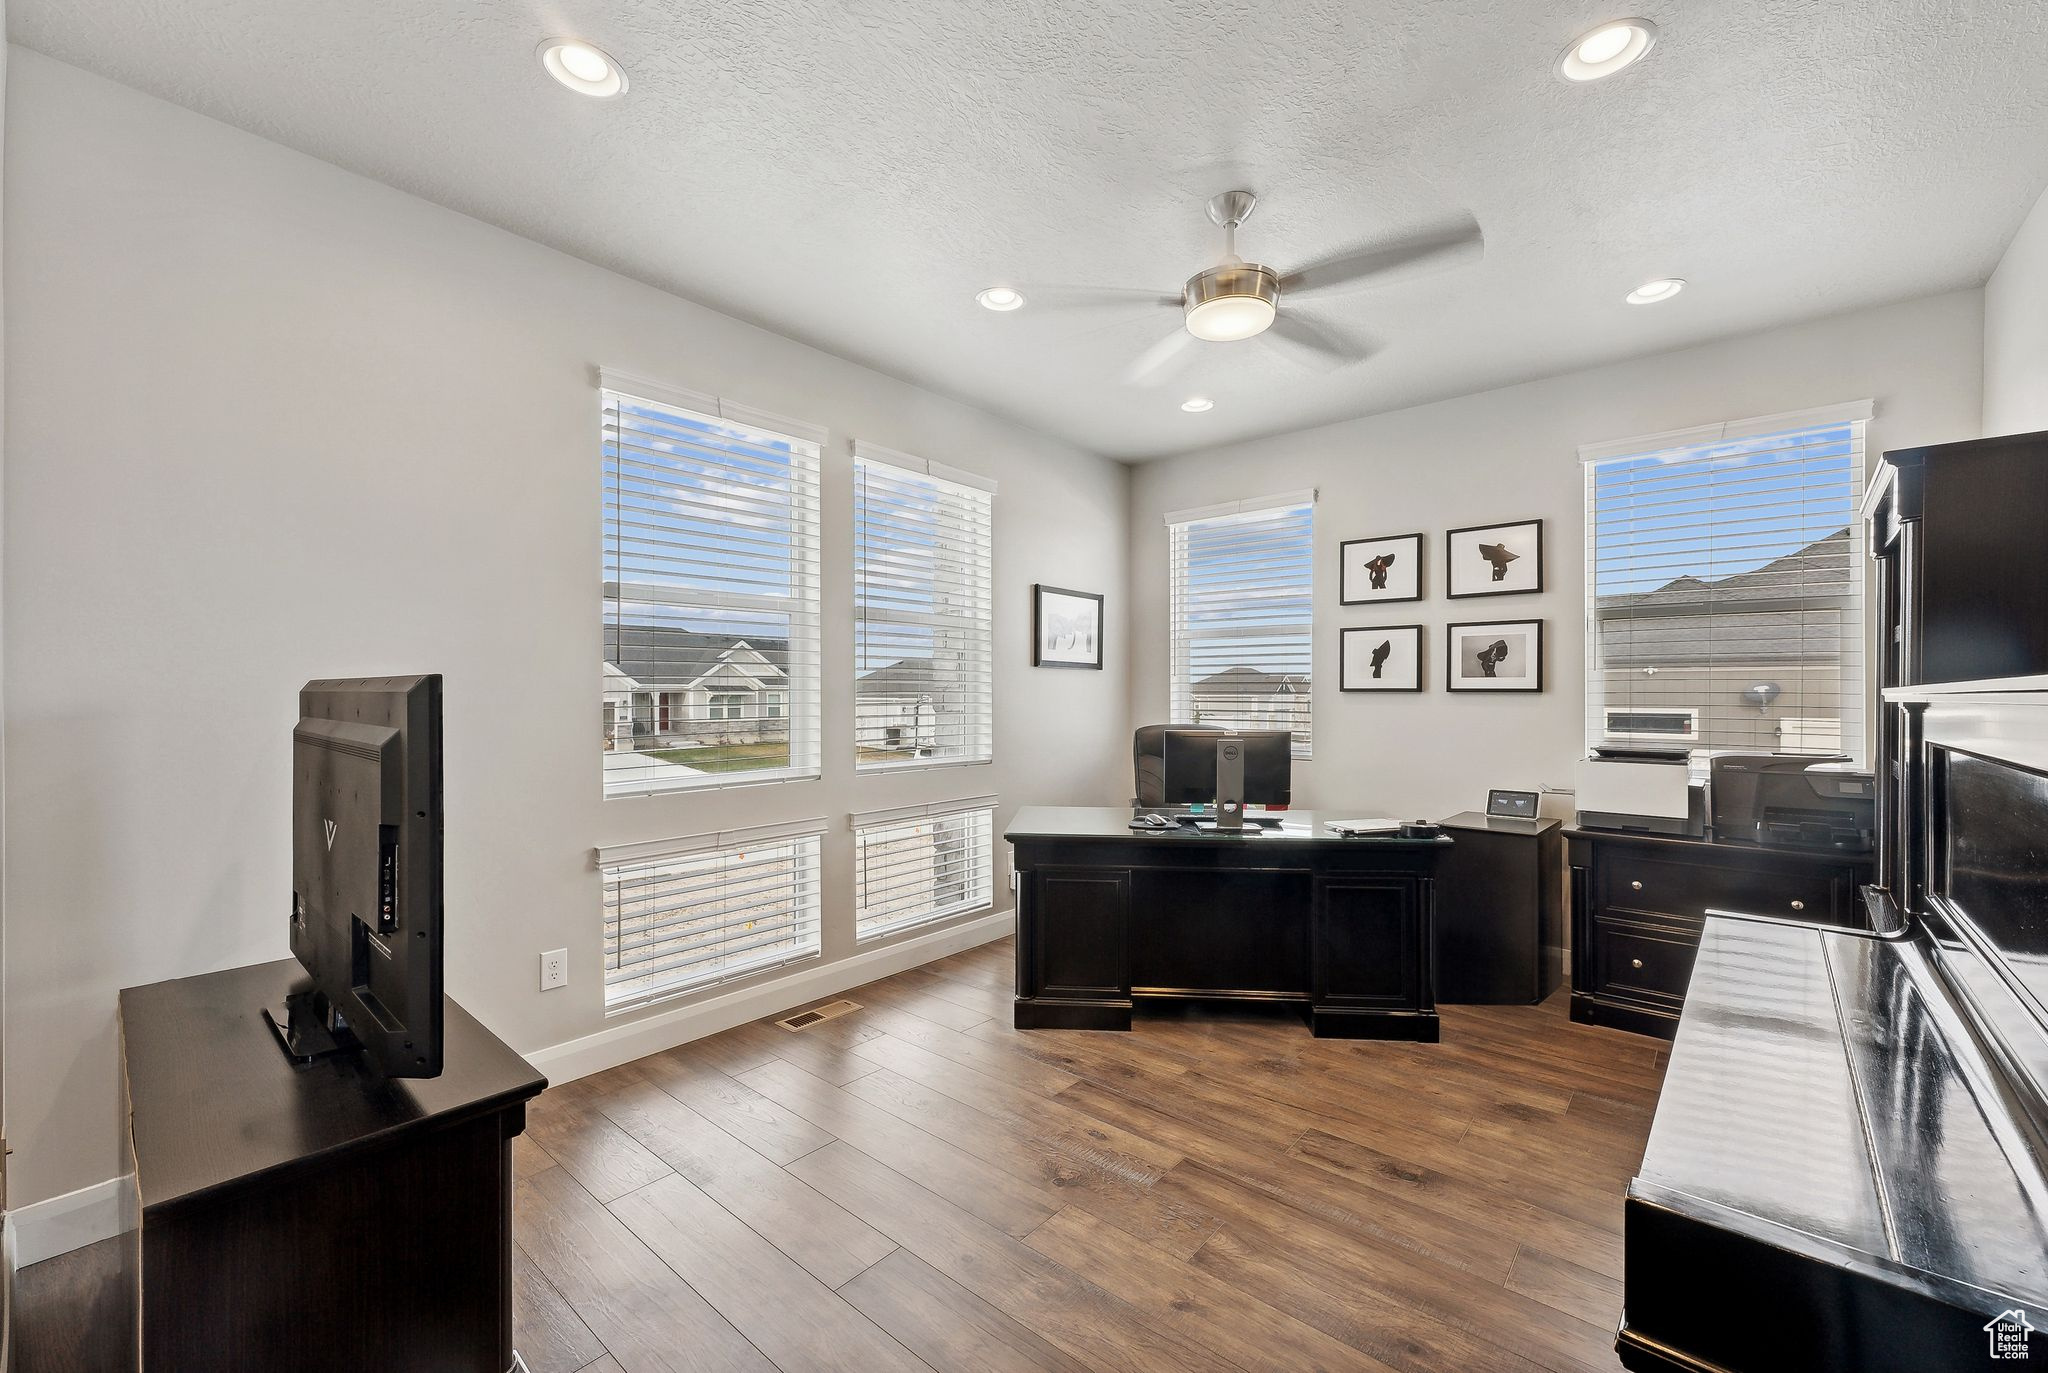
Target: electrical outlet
[(554, 969)]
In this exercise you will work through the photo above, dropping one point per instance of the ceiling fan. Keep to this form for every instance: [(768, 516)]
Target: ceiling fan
[(1236, 300)]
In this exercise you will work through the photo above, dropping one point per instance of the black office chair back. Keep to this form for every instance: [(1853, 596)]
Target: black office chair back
[(1148, 763)]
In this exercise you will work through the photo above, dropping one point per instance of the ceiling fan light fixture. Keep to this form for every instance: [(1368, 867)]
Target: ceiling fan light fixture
[(583, 67), (1238, 300), (1000, 298), (1606, 50)]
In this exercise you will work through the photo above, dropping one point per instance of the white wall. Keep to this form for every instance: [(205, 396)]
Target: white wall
[(1512, 454), (2016, 331), (273, 421)]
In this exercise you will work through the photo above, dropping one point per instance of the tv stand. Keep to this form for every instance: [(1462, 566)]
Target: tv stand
[(308, 1029), (323, 1218)]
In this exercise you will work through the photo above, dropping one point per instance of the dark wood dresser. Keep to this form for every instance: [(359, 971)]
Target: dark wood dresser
[(323, 1219), (1639, 903)]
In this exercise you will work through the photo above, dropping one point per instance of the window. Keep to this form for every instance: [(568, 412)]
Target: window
[(921, 864), (774, 705), (1725, 576), (1242, 599), (710, 591), (687, 913), (923, 644)]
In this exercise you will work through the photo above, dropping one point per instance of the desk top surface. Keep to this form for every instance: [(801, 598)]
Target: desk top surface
[(1097, 823), (216, 1103)]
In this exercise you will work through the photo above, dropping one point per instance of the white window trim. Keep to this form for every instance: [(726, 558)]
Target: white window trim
[(978, 898), (805, 669), (1252, 505)]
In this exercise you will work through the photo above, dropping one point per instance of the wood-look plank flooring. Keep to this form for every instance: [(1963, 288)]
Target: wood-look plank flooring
[(918, 1186)]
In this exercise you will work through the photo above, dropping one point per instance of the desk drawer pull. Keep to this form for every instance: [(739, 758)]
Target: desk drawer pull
[(1798, 905), (1635, 962), (1635, 886)]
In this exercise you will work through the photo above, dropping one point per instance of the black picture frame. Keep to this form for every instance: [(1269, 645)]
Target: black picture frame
[(1455, 679), (1456, 540), (1039, 591), (1345, 587), (1513, 805), (1414, 657)]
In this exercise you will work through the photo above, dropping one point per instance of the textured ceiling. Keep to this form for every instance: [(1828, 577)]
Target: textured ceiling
[(850, 172)]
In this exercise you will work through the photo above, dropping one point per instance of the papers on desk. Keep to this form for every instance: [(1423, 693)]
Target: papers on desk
[(1353, 828)]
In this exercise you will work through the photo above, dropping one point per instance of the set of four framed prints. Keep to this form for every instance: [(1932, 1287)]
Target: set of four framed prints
[(1482, 655)]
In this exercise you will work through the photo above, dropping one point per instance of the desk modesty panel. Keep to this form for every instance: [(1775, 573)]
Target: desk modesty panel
[(1107, 915)]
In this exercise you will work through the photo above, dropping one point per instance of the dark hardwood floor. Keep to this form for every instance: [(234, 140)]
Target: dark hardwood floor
[(916, 1185)]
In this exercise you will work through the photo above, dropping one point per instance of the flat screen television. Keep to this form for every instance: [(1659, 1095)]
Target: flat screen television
[(366, 874)]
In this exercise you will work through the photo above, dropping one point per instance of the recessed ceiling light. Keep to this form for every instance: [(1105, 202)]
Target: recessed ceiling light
[(582, 68), (999, 298), (1650, 292), (1606, 50), (1195, 405)]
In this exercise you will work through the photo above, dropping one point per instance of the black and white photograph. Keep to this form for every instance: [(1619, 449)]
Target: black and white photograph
[(1066, 627), (1496, 655), (1374, 571), (1388, 658), (1494, 559)]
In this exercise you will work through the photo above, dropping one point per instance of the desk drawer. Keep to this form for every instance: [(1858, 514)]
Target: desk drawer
[(1637, 881), (1643, 962)]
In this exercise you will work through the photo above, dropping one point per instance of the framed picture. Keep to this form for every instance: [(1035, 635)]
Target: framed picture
[(1494, 559), (1066, 627), (1512, 805), (1384, 659), (1375, 570), (1495, 655)]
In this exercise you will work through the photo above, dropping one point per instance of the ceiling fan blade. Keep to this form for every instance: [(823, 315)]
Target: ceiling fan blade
[(1156, 363), (1456, 244), (1317, 345), (1052, 295)]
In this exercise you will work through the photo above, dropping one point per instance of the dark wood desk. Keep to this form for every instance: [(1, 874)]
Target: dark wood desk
[(318, 1218), (1107, 914)]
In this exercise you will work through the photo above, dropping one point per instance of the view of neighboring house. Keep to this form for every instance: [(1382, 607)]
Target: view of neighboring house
[(1676, 662), (674, 688), (910, 706), (1250, 698)]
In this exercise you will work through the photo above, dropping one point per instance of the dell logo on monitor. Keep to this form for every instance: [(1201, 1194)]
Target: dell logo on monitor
[(329, 824)]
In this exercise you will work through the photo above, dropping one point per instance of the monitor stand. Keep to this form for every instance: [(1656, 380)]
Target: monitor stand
[(307, 1029), (1229, 784)]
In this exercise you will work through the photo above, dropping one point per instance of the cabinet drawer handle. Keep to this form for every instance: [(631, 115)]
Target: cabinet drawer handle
[(1635, 886), (1635, 962), (1798, 905)]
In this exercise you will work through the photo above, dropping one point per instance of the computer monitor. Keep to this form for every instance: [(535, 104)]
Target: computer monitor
[(366, 874), (1188, 766)]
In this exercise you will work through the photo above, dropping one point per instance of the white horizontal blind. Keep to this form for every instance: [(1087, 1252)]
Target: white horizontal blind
[(1242, 602), (710, 596), (705, 915), (915, 871), (923, 618), (1725, 588)]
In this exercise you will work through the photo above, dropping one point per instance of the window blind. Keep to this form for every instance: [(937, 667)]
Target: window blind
[(923, 635), (1242, 600), (710, 592), (1725, 587), (913, 870), (709, 911)]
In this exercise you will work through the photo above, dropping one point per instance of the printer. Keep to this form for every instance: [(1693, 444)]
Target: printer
[(1793, 800), (1641, 791)]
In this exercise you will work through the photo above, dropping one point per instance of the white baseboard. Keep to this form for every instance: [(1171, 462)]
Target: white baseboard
[(57, 1225), (45, 1229), (617, 1044)]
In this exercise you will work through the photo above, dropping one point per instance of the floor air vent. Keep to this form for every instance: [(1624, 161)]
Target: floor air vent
[(831, 1010)]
